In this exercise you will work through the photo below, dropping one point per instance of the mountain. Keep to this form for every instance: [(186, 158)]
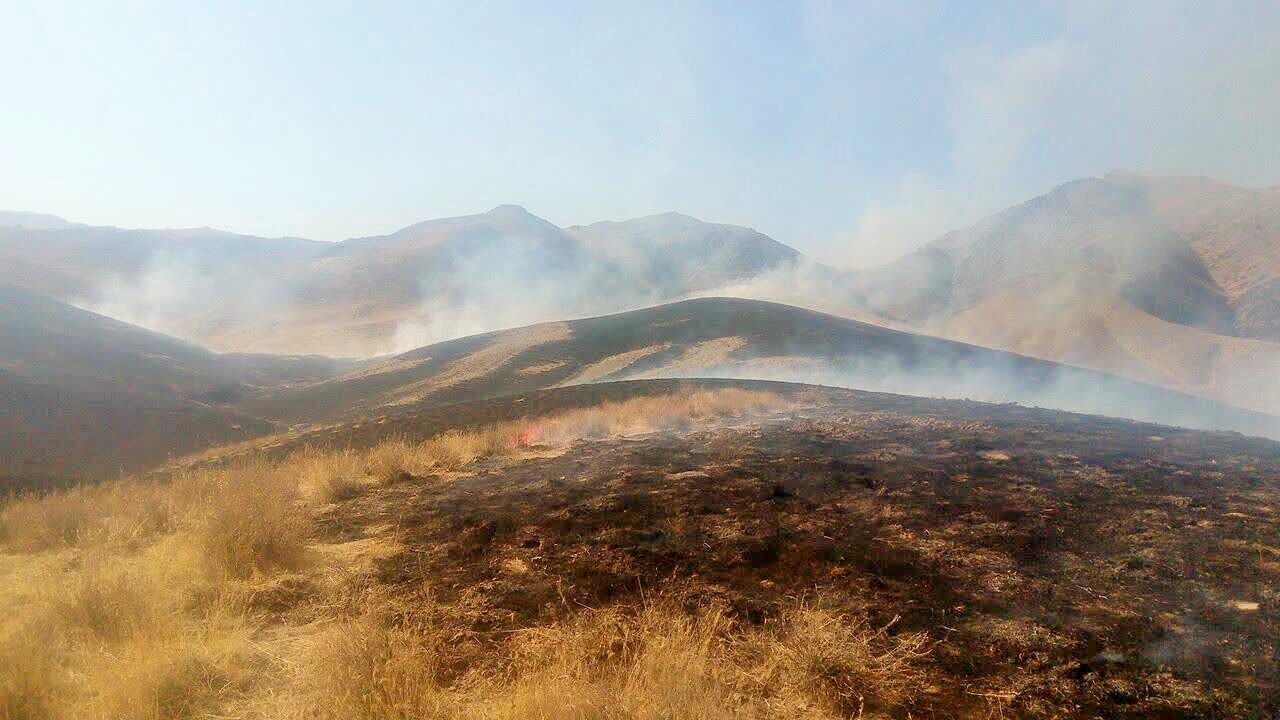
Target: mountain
[(208, 286), (31, 221), (85, 395), (678, 254), (1163, 280), (1236, 232), (729, 338), (365, 296)]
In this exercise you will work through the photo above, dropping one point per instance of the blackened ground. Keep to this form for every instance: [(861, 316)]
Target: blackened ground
[(1064, 565)]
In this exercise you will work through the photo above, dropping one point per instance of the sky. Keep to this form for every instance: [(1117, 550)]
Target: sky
[(851, 131)]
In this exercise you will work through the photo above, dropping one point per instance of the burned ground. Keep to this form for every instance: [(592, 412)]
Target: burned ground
[(1062, 565)]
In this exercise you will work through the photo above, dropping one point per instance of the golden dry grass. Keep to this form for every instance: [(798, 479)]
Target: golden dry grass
[(639, 415), (140, 598), (658, 662)]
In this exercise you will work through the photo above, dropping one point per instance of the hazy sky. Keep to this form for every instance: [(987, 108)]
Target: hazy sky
[(849, 130)]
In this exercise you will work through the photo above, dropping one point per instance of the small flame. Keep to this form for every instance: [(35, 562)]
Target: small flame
[(526, 439)]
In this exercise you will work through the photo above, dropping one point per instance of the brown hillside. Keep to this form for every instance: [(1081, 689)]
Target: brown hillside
[(696, 550), (1164, 280), (734, 338)]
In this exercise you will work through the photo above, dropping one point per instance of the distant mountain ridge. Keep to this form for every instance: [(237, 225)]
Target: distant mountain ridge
[(30, 220), (426, 282), (1188, 250)]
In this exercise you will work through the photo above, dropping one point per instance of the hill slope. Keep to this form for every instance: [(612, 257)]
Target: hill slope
[(87, 395), (730, 337), (1235, 231), (1163, 280), (708, 549)]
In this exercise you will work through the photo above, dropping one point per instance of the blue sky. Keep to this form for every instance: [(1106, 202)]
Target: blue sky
[(853, 131)]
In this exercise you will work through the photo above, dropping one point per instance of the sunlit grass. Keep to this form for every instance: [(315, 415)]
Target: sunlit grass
[(138, 599)]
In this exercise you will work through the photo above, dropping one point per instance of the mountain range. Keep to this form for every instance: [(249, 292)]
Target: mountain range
[(366, 296)]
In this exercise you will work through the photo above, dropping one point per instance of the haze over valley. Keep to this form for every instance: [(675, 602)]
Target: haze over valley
[(629, 361), (1167, 281)]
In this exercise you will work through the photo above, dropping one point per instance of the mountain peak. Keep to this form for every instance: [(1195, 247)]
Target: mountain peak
[(511, 210), (30, 220)]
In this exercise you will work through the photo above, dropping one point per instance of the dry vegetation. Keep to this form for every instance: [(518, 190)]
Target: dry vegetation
[(659, 660), (212, 593), (830, 554)]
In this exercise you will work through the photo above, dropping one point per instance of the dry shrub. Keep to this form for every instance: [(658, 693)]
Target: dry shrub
[(327, 477), (34, 523), (108, 605), (123, 512), (394, 459), (252, 520), (380, 664), (29, 688), (456, 449), (666, 663), (661, 664), (400, 459), (822, 658), (117, 637), (187, 675), (143, 602)]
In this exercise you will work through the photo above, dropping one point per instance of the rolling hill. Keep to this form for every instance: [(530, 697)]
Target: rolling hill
[(729, 338), (88, 396)]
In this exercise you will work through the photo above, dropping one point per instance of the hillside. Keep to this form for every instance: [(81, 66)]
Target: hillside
[(87, 395), (1163, 280), (1235, 231), (708, 549), (735, 338)]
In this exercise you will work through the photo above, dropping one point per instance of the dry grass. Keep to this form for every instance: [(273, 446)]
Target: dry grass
[(135, 600), (841, 664), (400, 459), (329, 477), (381, 663), (658, 663), (195, 674), (251, 521), (639, 415), (29, 687), (113, 513)]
